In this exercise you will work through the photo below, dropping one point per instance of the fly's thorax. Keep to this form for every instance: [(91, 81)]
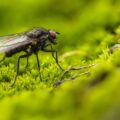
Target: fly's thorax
[(44, 37), (36, 33)]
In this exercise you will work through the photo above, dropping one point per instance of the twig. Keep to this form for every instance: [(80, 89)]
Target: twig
[(59, 82), (75, 76), (73, 68)]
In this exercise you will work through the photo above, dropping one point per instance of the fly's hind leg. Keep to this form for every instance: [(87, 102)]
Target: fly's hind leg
[(18, 64), (27, 59), (38, 65)]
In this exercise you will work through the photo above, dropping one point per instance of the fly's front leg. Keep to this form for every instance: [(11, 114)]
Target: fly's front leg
[(56, 58), (18, 64)]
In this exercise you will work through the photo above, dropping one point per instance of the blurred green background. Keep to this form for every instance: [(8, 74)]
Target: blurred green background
[(85, 27), (79, 21)]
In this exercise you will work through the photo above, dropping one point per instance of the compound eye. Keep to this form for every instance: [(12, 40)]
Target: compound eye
[(52, 34)]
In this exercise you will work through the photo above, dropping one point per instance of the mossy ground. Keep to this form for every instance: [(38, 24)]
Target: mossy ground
[(86, 29)]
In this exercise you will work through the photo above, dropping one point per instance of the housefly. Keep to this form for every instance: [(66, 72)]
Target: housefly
[(29, 42)]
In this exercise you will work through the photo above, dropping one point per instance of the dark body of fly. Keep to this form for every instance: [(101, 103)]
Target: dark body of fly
[(12, 51), (30, 42), (37, 38)]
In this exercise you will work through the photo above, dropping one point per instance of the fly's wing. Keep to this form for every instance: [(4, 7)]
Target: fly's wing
[(13, 41)]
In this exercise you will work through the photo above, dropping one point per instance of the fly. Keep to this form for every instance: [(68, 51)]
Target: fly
[(30, 42)]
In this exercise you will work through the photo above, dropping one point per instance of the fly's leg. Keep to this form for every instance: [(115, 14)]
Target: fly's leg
[(38, 65), (55, 57), (18, 64), (27, 59)]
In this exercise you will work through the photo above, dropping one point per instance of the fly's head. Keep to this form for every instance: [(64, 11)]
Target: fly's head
[(52, 35)]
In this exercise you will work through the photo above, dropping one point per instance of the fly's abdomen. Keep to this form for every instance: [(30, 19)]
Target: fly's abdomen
[(15, 50)]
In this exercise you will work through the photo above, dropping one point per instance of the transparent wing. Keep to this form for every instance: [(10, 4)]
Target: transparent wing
[(12, 41)]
